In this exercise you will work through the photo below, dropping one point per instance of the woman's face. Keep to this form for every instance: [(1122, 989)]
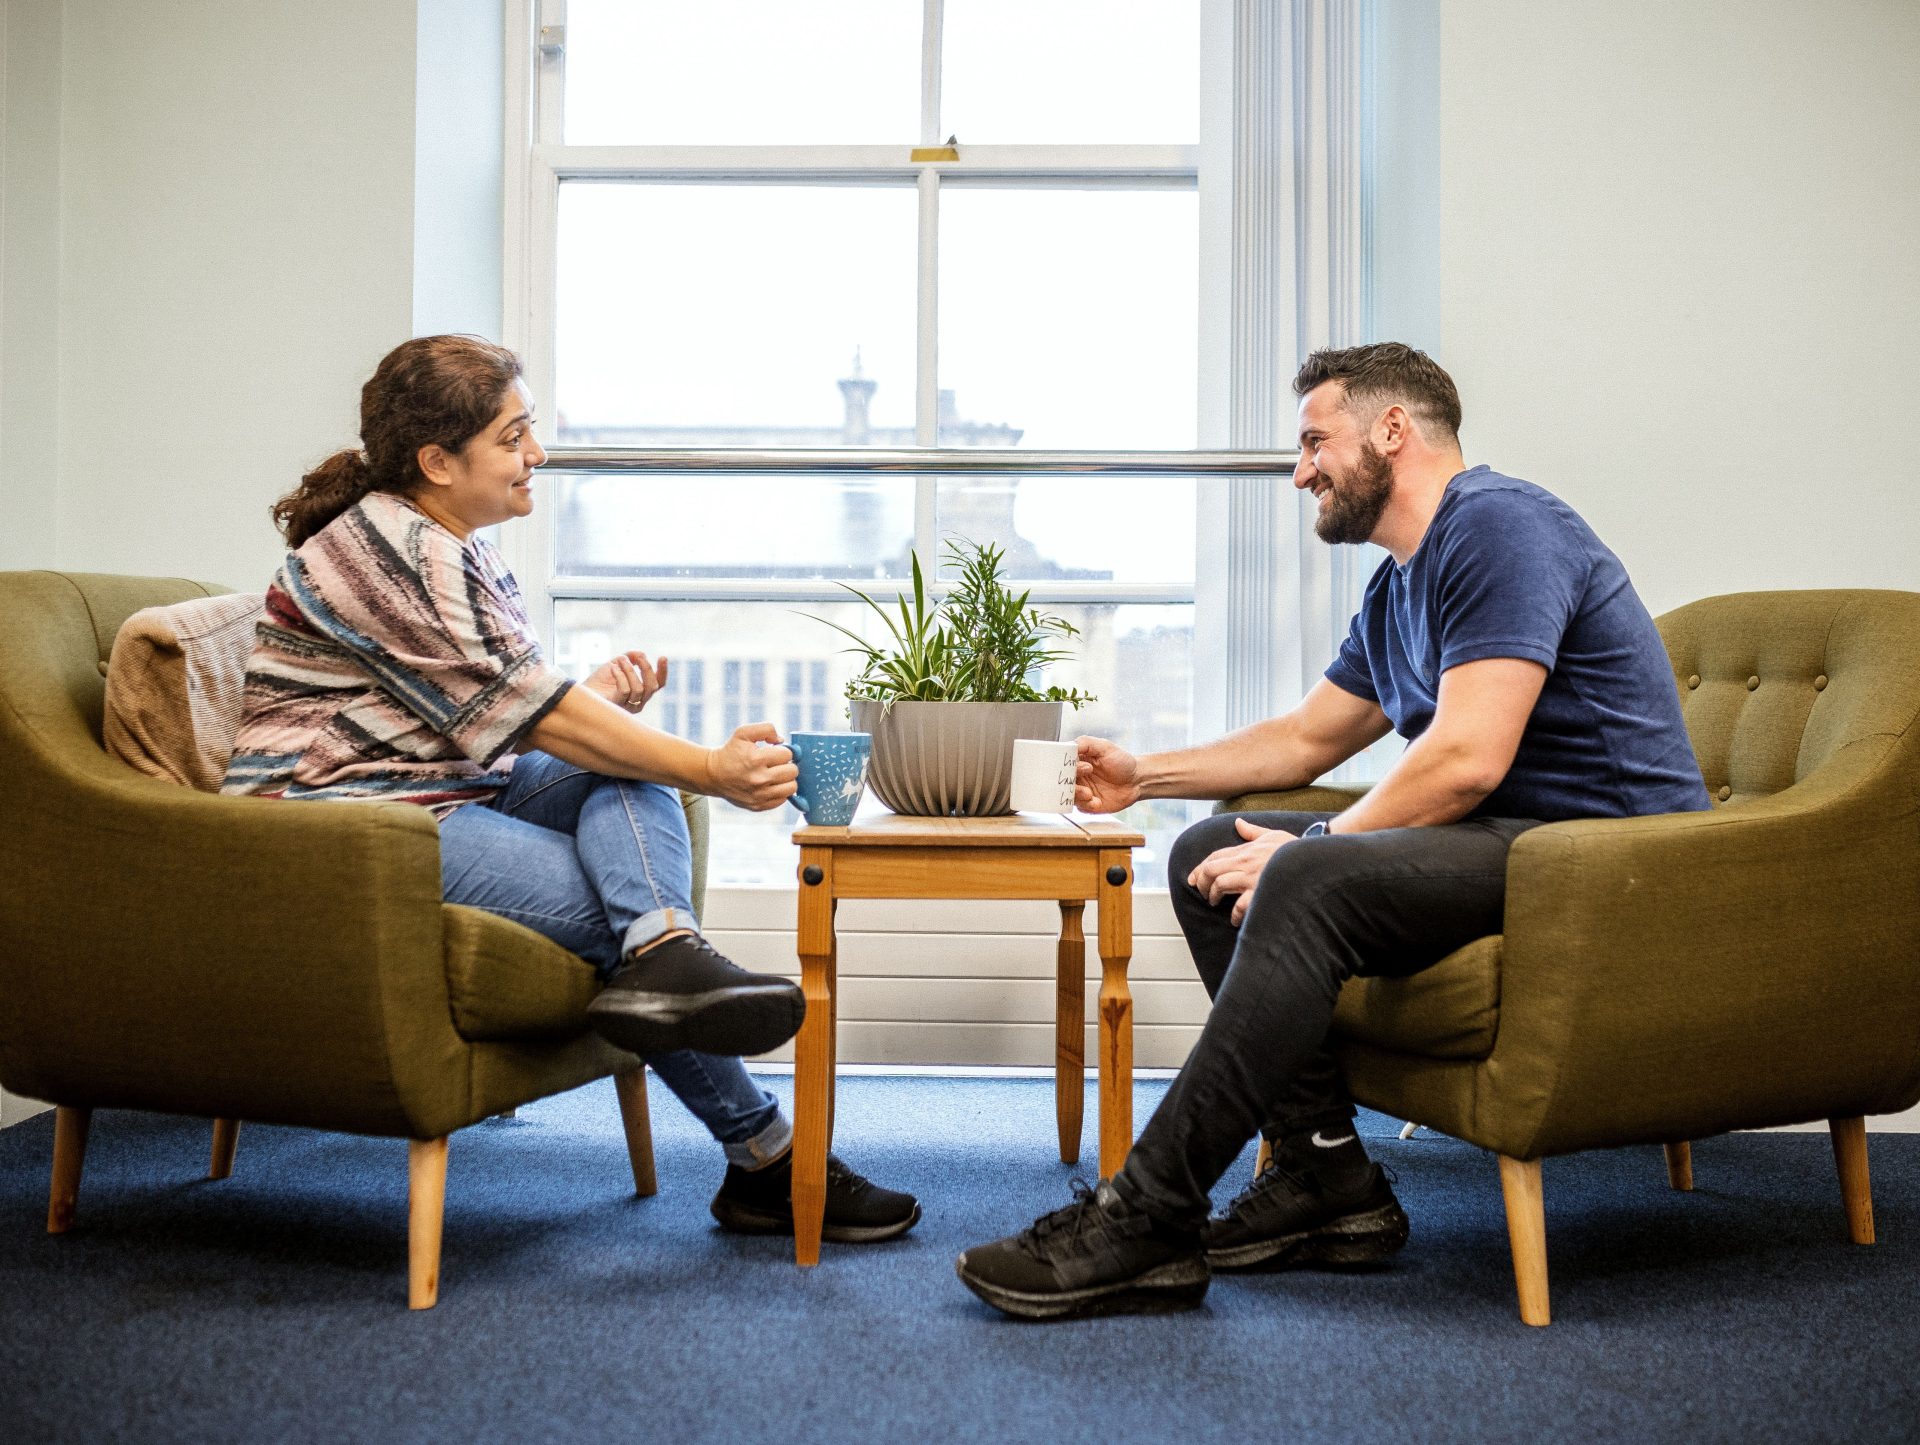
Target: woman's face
[(491, 478)]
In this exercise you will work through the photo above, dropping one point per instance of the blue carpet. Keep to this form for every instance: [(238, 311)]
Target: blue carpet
[(271, 1306)]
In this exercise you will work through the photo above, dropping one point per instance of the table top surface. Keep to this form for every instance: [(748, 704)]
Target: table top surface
[(882, 829)]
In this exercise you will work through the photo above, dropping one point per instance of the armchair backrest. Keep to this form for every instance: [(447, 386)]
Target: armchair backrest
[(1776, 685), (58, 633)]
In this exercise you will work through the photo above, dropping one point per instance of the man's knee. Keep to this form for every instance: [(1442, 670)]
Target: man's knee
[(1193, 847)]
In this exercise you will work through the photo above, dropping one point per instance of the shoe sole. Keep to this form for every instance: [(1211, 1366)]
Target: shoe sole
[(1349, 1240), (730, 1021), (740, 1220), (1177, 1285)]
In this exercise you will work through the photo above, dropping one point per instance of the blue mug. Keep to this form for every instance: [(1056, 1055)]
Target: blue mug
[(833, 775)]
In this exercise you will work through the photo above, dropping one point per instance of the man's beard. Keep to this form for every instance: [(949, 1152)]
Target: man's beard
[(1353, 505)]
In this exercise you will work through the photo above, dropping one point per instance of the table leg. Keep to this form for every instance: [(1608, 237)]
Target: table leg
[(1116, 1009), (813, 1056), (833, 1014), (1070, 1029)]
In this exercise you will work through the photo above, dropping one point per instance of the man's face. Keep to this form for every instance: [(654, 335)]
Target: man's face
[(1339, 465)]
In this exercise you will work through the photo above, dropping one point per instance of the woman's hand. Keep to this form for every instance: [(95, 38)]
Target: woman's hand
[(1107, 778), (1237, 869), (752, 769), (628, 680)]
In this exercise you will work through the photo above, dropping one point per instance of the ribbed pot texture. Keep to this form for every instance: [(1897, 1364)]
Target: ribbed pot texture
[(949, 759)]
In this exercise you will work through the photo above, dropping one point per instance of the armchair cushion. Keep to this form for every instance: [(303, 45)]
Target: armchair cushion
[(174, 685), (1449, 1011)]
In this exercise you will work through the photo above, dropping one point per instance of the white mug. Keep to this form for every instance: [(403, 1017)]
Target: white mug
[(1043, 775)]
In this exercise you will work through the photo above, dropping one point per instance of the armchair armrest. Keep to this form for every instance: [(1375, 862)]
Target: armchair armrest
[(1316, 798), (182, 951), (1675, 976)]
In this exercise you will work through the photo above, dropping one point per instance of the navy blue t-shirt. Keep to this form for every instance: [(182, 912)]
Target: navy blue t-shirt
[(1507, 569)]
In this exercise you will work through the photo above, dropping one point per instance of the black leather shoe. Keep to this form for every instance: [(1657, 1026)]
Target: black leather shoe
[(760, 1201), (1099, 1255), (1295, 1213), (680, 994)]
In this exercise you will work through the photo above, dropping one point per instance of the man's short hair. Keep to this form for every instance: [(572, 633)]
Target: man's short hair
[(1377, 376)]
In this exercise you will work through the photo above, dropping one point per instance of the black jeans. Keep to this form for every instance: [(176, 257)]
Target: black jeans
[(1370, 904)]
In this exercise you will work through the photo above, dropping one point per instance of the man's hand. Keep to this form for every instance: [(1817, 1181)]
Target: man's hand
[(1237, 869), (1108, 776), (752, 769), (628, 680)]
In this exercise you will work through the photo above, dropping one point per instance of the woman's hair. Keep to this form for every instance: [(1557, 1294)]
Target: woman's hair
[(432, 389)]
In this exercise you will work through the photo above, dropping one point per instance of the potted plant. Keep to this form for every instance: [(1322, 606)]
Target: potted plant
[(947, 700)]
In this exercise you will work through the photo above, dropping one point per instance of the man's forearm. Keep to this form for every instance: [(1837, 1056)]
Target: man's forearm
[(1265, 757), (1433, 782)]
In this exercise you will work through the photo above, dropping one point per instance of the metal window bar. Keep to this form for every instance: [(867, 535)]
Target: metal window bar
[(1243, 472)]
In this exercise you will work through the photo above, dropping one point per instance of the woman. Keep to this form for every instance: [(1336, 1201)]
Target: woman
[(395, 662)]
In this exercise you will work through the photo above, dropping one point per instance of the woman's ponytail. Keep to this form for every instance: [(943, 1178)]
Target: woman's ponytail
[(323, 494)]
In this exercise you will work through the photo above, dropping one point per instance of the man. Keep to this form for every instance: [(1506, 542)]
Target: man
[(1504, 641)]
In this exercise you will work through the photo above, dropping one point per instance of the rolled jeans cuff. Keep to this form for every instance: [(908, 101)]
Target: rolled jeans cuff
[(763, 1148), (649, 926)]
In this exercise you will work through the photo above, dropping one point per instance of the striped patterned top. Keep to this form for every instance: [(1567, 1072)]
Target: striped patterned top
[(394, 663)]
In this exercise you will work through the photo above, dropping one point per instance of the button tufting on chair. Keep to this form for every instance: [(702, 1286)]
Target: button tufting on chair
[(1752, 683), (1694, 681), (1820, 683), (1726, 791)]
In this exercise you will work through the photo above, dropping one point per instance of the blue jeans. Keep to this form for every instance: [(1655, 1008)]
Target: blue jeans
[(601, 866)]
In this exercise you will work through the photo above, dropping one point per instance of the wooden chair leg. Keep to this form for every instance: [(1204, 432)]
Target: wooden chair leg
[(1856, 1189), (631, 1087), (1527, 1229), (226, 1138), (426, 1208), (1262, 1158), (1680, 1165), (69, 1150)]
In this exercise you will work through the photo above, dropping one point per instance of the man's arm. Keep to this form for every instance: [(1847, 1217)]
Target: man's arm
[(1329, 726), (1463, 755)]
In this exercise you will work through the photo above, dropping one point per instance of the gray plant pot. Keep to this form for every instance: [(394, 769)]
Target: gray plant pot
[(949, 759)]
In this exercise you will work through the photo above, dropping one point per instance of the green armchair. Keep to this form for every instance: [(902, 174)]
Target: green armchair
[(239, 958), (1662, 979)]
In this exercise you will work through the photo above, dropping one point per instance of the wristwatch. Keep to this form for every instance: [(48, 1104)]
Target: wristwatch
[(1315, 830)]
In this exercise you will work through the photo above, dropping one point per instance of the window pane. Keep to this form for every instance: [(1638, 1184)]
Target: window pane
[(1137, 660), (765, 72), (1131, 531), (756, 316), (1070, 316), (1088, 72), (655, 525)]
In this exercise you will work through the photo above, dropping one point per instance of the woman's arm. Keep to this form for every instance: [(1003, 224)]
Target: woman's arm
[(588, 731)]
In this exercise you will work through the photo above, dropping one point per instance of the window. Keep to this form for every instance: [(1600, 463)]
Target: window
[(744, 228)]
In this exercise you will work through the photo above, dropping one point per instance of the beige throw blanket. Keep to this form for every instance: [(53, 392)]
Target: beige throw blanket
[(174, 683)]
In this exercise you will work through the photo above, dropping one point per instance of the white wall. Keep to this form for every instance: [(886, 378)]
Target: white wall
[(29, 266), (236, 253), (1680, 277)]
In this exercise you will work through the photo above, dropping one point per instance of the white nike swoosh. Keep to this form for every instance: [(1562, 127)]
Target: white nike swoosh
[(1321, 1143)]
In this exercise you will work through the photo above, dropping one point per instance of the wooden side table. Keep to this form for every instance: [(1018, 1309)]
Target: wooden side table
[(1036, 856)]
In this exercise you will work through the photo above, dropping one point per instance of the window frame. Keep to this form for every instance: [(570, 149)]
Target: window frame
[(1269, 602)]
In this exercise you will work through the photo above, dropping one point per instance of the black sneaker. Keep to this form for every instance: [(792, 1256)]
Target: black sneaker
[(1295, 1213), (760, 1201), (680, 994), (1099, 1255)]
